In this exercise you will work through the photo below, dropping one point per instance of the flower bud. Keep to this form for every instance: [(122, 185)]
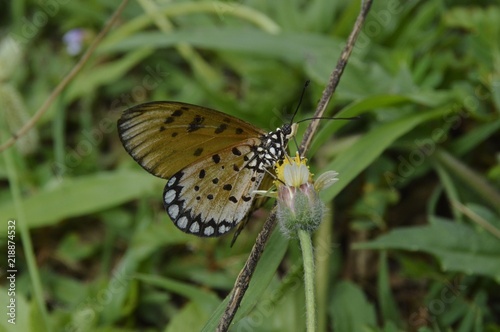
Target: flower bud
[(299, 205)]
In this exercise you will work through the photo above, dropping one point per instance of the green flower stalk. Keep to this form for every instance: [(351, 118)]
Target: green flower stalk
[(300, 211)]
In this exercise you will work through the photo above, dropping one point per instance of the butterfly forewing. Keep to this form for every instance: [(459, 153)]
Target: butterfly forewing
[(164, 137)]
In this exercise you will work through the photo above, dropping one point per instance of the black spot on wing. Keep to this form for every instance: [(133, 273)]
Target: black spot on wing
[(236, 151), (196, 124), (198, 152), (221, 128), (178, 112)]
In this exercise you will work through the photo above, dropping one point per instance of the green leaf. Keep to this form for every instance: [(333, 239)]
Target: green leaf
[(22, 313), (474, 137), (206, 300), (81, 196), (105, 74), (244, 40), (350, 310), (458, 247), (474, 180), (266, 268), (147, 239), (189, 318), (370, 146), (353, 109), (388, 304)]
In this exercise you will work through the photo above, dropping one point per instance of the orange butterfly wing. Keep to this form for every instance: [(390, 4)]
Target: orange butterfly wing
[(164, 137)]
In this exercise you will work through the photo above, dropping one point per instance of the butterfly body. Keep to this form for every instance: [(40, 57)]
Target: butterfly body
[(214, 162)]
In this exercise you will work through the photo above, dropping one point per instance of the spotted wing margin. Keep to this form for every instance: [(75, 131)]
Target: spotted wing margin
[(258, 201), (163, 137), (212, 196)]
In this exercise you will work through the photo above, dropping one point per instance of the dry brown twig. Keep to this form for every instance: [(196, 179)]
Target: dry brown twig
[(246, 273)]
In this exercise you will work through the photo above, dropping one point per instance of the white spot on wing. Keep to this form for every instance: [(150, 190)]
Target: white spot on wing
[(209, 231), (195, 227), (182, 222), (171, 181), (173, 211), (222, 229), (169, 196)]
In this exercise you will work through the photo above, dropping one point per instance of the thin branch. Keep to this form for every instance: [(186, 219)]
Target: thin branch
[(246, 273), (335, 77), (243, 280), (65, 81)]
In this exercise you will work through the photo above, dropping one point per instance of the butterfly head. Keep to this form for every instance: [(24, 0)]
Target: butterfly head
[(289, 130)]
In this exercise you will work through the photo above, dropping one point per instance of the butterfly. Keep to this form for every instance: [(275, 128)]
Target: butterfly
[(214, 162)]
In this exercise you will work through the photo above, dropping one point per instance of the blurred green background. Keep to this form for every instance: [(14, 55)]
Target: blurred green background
[(412, 237)]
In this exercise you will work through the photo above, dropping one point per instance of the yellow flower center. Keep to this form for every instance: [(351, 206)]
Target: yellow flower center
[(294, 172)]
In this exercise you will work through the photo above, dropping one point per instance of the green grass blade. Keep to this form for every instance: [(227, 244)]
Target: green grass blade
[(83, 195), (268, 264), (458, 247), (370, 146)]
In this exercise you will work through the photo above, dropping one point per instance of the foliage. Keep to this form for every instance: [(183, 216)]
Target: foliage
[(412, 239)]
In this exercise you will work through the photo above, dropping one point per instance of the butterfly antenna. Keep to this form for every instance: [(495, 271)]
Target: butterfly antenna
[(300, 100), (330, 118)]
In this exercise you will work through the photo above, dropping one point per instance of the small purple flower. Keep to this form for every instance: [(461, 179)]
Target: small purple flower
[(74, 41)]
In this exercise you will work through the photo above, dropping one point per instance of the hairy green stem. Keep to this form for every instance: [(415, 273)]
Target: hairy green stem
[(308, 259)]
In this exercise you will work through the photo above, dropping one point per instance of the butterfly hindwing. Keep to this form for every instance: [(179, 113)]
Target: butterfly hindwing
[(212, 196), (164, 137)]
